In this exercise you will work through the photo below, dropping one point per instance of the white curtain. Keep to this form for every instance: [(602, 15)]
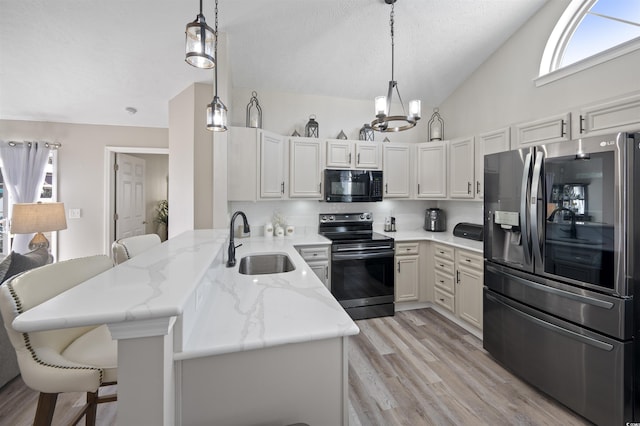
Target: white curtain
[(23, 169)]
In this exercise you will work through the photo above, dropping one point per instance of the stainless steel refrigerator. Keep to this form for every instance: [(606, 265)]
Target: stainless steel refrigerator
[(562, 268)]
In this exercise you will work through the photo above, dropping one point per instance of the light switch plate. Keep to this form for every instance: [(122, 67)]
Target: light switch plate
[(75, 213)]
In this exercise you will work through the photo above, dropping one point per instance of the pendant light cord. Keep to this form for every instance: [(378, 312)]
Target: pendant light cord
[(215, 51), (391, 22)]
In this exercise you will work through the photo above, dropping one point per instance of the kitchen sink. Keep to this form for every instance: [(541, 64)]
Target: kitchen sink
[(260, 264)]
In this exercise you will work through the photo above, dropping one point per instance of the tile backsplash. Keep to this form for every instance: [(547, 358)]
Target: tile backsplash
[(303, 215)]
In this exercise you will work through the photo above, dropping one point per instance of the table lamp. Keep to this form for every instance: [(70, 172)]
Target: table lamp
[(28, 218)]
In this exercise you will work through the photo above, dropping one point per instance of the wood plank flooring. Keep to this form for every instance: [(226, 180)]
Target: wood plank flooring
[(415, 368)]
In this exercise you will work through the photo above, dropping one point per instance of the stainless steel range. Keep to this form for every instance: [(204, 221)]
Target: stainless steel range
[(362, 276)]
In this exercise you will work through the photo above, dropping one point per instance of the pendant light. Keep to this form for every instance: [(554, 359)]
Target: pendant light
[(216, 110), (384, 122), (199, 43)]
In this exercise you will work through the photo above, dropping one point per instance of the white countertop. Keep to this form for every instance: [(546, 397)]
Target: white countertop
[(240, 312), (439, 237), (246, 312), (154, 284)]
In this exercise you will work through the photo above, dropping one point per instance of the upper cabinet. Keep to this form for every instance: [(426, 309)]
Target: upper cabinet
[(272, 171), (397, 170), (305, 168), (461, 168), (431, 170), (345, 154), (552, 129), (616, 116), (488, 143)]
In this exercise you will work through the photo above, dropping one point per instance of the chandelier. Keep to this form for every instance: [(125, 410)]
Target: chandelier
[(199, 43), (216, 110), (385, 122)]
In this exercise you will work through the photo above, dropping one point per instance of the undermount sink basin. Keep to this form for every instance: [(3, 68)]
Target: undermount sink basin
[(260, 264)]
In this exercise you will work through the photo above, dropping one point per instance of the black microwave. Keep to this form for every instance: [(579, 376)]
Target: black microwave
[(350, 186)]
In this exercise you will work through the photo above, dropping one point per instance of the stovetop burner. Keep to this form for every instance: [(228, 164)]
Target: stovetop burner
[(349, 228)]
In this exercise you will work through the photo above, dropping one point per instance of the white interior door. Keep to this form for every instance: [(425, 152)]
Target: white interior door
[(130, 205)]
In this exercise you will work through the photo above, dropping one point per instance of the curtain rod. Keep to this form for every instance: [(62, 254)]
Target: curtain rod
[(52, 145)]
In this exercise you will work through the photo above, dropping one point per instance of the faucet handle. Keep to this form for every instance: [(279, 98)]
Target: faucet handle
[(237, 245)]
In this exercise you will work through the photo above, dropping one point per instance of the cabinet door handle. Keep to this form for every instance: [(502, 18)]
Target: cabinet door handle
[(468, 260), (282, 187), (358, 159), (468, 187), (398, 267), (418, 189), (386, 188), (441, 252), (582, 129), (563, 125), (326, 272), (441, 265), (477, 187), (458, 276), (320, 187), (349, 158)]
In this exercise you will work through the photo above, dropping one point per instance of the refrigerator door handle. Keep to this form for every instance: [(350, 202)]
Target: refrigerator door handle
[(536, 228), (524, 216)]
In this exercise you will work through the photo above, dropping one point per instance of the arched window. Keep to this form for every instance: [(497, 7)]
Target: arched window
[(590, 32)]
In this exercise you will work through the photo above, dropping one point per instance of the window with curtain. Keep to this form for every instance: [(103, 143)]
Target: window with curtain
[(590, 32), (47, 193)]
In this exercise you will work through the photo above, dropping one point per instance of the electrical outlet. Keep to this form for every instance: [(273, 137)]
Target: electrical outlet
[(75, 213)]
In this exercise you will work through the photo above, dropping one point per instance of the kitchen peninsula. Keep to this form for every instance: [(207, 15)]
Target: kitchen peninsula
[(199, 343)]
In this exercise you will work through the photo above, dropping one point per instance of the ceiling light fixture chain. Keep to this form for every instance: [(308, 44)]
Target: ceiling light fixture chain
[(216, 110), (383, 103)]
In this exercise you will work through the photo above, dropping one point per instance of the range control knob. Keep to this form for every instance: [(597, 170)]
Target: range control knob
[(323, 218), (332, 217), (362, 216), (368, 216)]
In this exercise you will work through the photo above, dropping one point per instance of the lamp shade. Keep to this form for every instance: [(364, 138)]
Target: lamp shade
[(28, 218)]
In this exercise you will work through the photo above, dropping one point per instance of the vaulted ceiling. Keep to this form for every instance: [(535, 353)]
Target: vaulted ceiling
[(85, 61)]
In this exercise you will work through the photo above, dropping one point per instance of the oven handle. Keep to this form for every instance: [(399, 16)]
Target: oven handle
[(562, 293), (362, 256), (552, 327), (365, 249)]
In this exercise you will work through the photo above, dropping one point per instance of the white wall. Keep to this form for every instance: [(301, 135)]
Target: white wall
[(81, 173), (283, 113), (503, 92)]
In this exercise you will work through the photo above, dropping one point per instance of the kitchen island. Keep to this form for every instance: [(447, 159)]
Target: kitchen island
[(200, 343)]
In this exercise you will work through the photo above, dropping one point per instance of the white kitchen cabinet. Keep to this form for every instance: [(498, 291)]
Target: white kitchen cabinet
[(458, 282), (547, 130), (407, 276), (272, 170), (397, 170), (488, 143), (255, 164), (610, 117), (431, 170), (469, 282), (317, 257), (345, 154), (461, 168), (305, 168), (443, 270)]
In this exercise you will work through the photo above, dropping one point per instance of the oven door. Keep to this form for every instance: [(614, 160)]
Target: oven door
[(347, 186), (580, 215), (363, 278)]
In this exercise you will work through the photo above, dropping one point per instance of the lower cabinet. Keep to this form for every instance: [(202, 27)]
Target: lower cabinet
[(407, 275), (458, 281), (317, 257)]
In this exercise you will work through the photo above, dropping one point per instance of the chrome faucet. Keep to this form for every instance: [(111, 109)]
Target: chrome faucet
[(573, 232), (232, 247)]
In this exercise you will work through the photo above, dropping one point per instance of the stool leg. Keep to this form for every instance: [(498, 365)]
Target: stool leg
[(46, 407), (92, 406)]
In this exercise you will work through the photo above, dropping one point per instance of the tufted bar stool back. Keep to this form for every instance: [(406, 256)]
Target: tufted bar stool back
[(125, 248), (79, 359)]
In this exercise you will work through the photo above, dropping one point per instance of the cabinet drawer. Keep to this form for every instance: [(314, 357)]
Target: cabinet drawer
[(469, 259), (445, 282), (443, 251), (406, 248), (443, 265), (444, 299), (314, 253)]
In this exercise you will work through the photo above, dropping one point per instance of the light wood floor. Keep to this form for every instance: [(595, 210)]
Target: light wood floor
[(416, 368)]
